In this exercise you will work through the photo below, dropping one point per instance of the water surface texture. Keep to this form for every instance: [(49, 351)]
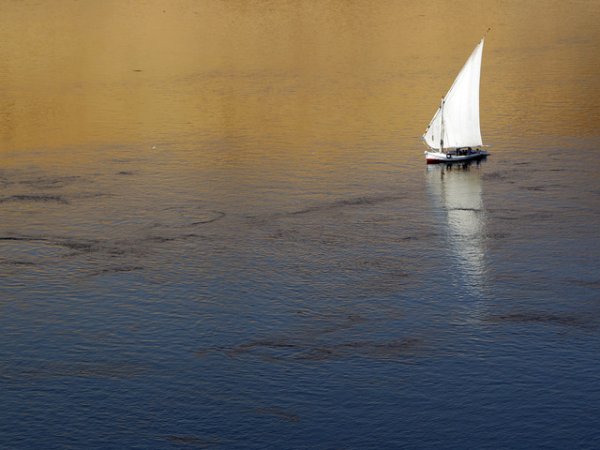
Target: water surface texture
[(218, 230)]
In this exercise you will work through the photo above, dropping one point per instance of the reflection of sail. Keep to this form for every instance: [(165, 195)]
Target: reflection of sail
[(458, 189)]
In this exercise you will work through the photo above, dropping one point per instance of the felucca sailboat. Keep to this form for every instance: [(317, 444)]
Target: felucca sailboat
[(453, 134)]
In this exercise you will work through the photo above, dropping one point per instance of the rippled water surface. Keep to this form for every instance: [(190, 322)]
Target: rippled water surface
[(218, 231)]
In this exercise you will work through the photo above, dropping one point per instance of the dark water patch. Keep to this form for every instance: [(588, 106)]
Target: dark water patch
[(310, 236), (27, 250), (87, 195), (381, 264), (494, 176), (272, 344), (288, 234), (116, 269), (329, 238), (542, 318), (297, 350), (34, 198), (5, 182), (338, 316), (189, 217), (80, 245), (465, 209), (416, 236), (497, 235), (113, 247), (519, 214), (22, 238), (406, 238), (93, 246), (193, 441), (126, 160), (188, 236), (543, 187), (509, 215), (359, 201), (388, 283), (209, 217), (387, 349), (539, 215), (77, 247), (70, 370), (18, 263), (322, 324), (534, 188), (594, 284), (278, 413), (366, 263), (47, 182), (158, 239)]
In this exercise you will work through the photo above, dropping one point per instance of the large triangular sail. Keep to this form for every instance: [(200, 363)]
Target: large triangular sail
[(456, 122)]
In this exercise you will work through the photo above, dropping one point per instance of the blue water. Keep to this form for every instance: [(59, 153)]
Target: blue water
[(393, 316), (218, 230)]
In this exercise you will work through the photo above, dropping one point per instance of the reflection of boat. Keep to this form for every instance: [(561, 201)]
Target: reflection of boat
[(453, 134), (458, 189)]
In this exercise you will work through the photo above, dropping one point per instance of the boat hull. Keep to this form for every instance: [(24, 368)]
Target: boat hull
[(454, 156)]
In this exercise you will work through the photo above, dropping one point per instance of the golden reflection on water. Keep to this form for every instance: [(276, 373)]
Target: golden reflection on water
[(287, 75)]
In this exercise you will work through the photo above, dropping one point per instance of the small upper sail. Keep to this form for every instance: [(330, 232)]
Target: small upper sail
[(458, 115)]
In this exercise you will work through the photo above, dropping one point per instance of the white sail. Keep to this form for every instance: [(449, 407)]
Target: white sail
[(458, 115)]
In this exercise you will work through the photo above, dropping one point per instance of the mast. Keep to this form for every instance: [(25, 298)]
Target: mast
[(442, 121)]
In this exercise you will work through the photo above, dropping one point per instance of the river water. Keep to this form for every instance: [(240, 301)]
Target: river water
[(218, 229)]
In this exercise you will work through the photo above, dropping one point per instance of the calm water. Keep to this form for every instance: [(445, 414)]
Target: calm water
[(218, 231)]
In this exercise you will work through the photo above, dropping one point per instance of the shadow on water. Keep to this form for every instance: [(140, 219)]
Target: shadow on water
[(278, 413), (115, 269), (210, 217), (191, 216), (358, 201), (12, 262), (51, 182), (324, 336), (277, 350), (565, 320), (26, 372), (291, 350), (104, 250), (194, 441), (114, 247), (109, 255), (42, 181), (595, 284), (34, 198), (324, 208)]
